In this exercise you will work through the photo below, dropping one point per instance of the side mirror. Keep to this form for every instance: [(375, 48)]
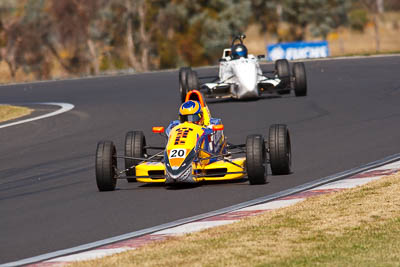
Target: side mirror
[(218, 127), (222, 59), (158, 129), (260, 56)]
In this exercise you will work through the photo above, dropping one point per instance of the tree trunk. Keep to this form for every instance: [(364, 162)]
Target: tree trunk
[(144, 36), (12, 69), (376, 30), (9, 58), (380, 6), (54, 52), (341, 46), (94, 57), (133, 61)]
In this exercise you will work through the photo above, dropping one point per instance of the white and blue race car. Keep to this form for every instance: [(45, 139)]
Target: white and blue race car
[(241, 77)]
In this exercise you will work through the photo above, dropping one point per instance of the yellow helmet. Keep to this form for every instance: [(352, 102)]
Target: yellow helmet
[(191, 111)]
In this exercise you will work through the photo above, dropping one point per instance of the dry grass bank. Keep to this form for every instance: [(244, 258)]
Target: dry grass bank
[(355, 227), (8, 112)]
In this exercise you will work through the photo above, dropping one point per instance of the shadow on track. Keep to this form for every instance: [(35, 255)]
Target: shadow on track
[(243, 181), (214, 101)]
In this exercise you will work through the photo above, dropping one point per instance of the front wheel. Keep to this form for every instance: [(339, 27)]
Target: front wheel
[(135, 143), (255, 159), (282, 69), (106, 165), (300, 79), (280, 154)]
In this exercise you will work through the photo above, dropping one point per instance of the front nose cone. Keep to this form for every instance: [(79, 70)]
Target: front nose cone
[(246, 74), (184, 177), (249, 83)]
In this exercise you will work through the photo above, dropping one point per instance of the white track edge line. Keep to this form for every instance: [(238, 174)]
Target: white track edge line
[(64, 108)]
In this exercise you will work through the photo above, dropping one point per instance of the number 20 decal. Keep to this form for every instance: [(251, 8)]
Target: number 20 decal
[(177, 153)]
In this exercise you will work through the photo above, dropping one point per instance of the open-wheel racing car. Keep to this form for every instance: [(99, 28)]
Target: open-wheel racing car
[(241, 77), (196, 150)]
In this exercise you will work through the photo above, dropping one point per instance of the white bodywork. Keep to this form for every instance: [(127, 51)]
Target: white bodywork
[(243, 75)]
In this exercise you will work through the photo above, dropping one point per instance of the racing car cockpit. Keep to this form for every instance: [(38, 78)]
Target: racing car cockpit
[(195, 95), (236, 51), (205, 120)]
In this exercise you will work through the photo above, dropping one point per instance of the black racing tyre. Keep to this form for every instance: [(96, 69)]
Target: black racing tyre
[(300, 79), (255, 159), (106, 164), (282, 68), (192, 81), (183, 73), (280, 153), (134, 147)]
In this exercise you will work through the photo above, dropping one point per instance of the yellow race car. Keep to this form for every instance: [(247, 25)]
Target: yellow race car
[(196, 150)]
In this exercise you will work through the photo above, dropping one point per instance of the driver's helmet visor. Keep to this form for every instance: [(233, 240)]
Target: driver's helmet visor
[(241, 53), (190, 118)]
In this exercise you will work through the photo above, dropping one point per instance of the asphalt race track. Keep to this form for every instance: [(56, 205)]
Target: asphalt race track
[(48, 195)]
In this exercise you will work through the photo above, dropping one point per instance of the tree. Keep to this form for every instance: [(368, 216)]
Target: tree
[(320, 16), (201, 29), (70, 41), (94, 35), (142, 23), (267, 14), (22, 35), (374, 7)]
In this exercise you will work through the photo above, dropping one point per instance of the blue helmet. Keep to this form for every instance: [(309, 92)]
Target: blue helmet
[(239, 50)]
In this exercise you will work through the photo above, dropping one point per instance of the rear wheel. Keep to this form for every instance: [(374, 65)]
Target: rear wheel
[(255, 159), (280, 154), (106, 164), (183, 73), (282, 68), (300, 79), (192, 81), (134, 147)]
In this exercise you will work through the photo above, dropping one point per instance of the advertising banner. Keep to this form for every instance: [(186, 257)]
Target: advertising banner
[(297, 50)]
